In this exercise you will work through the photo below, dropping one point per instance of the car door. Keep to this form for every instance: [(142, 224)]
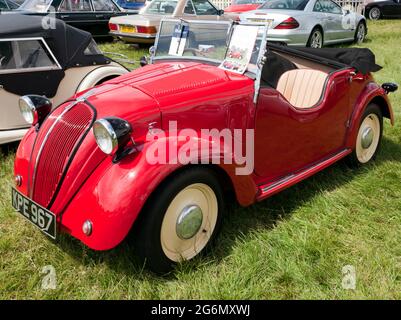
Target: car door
[(288, 139), (392, 8), (398, 8), (320, 16), (335, 21), (78, 13)]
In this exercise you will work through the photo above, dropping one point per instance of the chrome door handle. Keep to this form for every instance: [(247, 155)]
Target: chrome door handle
[(355, 76)]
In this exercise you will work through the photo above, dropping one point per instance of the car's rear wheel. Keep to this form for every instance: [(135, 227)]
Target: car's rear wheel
[(181, 219), (375, 13), (360, 32), (369, 136), (315, 39)]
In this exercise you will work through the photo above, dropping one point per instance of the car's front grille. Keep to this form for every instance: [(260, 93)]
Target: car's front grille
[(55, 146)]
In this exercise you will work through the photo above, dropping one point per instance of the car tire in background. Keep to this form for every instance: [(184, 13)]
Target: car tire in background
[(374, 13), (182, 222), (360, 32), (369, 137), (316, 38)]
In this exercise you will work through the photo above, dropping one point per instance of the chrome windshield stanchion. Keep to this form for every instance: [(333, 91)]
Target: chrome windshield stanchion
[(260, 63)]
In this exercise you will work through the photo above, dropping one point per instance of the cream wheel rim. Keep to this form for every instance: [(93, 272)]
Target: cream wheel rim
[(368, 138), (189, 222)]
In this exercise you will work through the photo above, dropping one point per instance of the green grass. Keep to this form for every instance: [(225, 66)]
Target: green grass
[(292, 245)]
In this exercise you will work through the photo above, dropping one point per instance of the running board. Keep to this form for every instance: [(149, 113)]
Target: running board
[(271, 188)]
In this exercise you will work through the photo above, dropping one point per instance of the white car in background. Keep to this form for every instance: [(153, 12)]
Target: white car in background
[(142, 28), (310, 23)]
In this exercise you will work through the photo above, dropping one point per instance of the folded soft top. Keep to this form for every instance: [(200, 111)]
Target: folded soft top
[(362, 59)]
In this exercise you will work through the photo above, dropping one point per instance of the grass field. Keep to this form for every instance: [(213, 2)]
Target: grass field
[(293, 245)]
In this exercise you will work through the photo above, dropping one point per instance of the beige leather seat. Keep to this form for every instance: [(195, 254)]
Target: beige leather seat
[(302, 87)]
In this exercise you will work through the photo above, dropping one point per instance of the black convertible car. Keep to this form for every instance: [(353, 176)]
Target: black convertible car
[(89, 15), (383, 9)]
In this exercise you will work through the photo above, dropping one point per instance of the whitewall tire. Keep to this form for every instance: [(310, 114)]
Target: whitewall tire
[(180, 220), (369, 136)]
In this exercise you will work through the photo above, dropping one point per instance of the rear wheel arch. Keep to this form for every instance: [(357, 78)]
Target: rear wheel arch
[(384, 107)]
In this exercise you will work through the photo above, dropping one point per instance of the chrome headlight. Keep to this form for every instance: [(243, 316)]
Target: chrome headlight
[(111, 134), (34, 109)]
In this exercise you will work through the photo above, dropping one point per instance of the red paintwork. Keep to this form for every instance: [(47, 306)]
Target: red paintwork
[(242, 7), (197, 96)]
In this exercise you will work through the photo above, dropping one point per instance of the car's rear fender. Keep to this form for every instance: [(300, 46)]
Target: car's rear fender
[(114, 195), (372, 93)]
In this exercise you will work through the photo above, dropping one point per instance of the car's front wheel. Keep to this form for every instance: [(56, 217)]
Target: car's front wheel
[(375, 13), (180, 220), (315, 39), (369, 136), (360, 33)]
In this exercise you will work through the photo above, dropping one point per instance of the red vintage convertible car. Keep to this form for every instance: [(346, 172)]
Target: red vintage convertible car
[(138, 153)]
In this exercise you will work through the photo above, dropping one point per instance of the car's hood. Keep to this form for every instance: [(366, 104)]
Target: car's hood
[(139, 19), (175, 83)]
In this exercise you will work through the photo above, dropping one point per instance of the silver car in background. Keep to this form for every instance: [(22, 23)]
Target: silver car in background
[(311, 23)]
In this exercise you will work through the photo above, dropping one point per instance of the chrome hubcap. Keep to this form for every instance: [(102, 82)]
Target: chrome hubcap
[(189, 222), (374, 13), (361, 33), (367, 137), (316, 40)]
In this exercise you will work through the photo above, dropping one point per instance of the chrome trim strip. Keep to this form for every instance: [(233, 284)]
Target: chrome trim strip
[(260, 64), (32, 186), (81, 99), (291, 176)]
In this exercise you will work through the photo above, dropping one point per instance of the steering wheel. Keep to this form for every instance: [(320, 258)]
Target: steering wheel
[(195, 52)]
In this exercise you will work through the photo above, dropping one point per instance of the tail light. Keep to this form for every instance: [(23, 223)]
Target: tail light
[(289, 23), (113, 27), (142, 29)]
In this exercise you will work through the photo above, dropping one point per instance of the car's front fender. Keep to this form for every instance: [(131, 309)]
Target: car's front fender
[(114, 195)]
